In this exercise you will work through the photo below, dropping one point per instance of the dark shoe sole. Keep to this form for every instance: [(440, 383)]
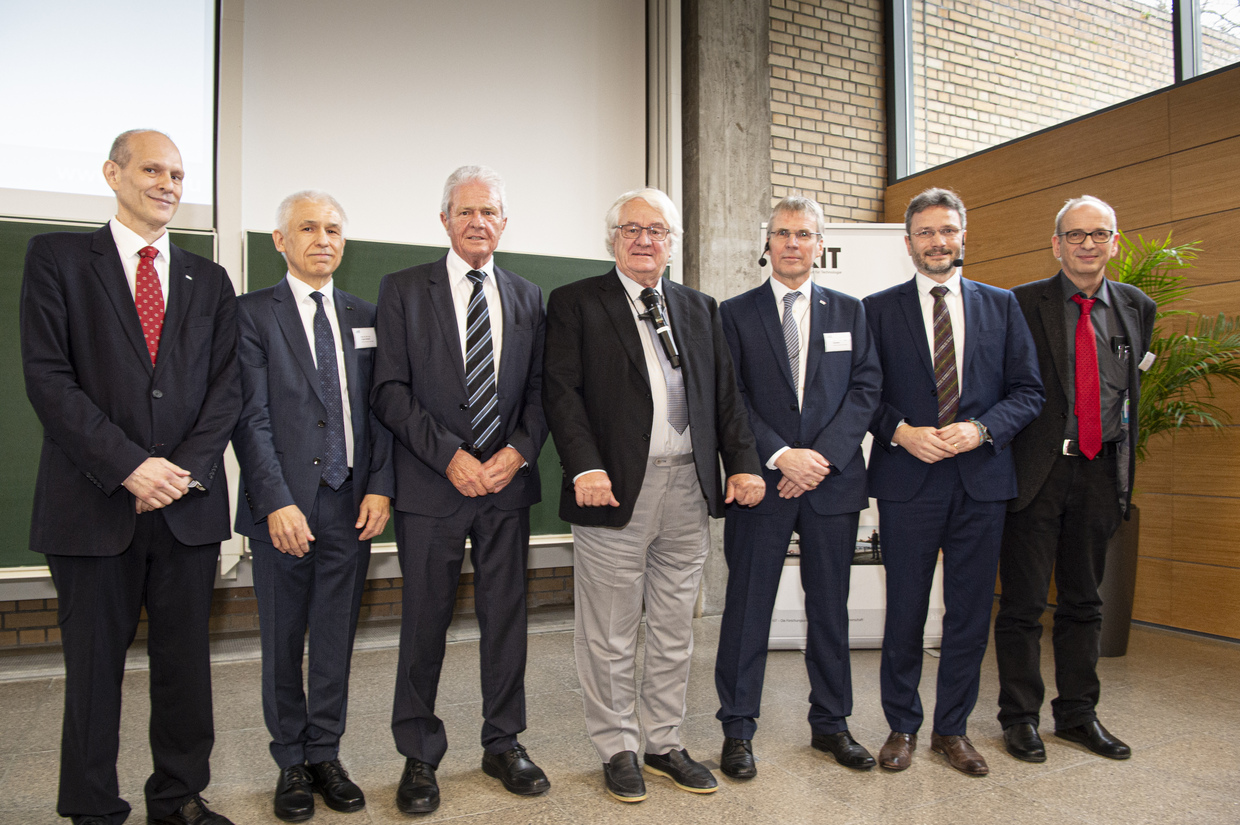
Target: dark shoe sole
[(294, 817), (1085, 744), (417, 808), (859, 767), (688, 788), (335, 806), (745, 774), (494, 773), (1026, 757)]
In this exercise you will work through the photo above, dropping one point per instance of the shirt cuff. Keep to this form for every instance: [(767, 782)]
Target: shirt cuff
[(770, 464)]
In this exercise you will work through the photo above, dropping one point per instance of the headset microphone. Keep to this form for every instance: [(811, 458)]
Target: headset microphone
[(762, 260)]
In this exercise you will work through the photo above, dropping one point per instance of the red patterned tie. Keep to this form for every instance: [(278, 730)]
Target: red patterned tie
[(149, 299), (1088, 402)]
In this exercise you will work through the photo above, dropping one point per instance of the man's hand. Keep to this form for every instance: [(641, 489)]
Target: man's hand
[(289, 531), (803, 467), (924, 443), (466, 474), (594, 490), (501, 468), (746, 489), (962, 435), (372, 516), (790, 489), (158, 482)]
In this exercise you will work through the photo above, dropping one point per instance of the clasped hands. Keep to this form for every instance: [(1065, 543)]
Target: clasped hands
[(594, 490), (933, 444), (803, 470), (156, 483), (474, 478)]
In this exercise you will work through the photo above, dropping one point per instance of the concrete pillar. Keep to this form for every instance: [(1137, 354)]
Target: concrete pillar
[(727, 169)]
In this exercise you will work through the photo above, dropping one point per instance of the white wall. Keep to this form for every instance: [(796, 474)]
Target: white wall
[(377, 101)]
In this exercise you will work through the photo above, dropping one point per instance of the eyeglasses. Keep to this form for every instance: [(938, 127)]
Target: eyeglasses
[(1075, 236), (800, 235), (949, 233), (633, 231)]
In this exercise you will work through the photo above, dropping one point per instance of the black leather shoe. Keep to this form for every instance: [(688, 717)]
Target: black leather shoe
[(623, 777), (685, 774), (193, 811), (1097, 738), (844, 748), (294, 800), (339, 792), (737, 758), (418, 792), (516, 770), (90, 820), (1023, 742)]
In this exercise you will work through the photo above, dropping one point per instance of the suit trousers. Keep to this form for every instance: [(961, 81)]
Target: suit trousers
[(941, 515), (100, 599), (755, 545), (320, 592), (431, 550), (657, 559), (1065, 529)]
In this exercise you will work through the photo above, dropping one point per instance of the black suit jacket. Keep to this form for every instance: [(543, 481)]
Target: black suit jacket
[(105, 409), (596, 391), (278, 438), (1038, 444), (420, 393)]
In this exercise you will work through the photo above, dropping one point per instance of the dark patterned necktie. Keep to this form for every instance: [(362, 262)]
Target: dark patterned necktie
[(480, 365), (335, 461), (1088, 394), (946, 380), (149, 299), (792, 339)]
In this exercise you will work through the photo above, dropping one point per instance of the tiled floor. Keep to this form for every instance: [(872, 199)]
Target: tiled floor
[(1175, 698)]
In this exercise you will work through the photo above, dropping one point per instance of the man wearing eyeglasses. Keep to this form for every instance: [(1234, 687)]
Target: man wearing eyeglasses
[(960, 380), (1074, 465), (809, 375), (642, 401)]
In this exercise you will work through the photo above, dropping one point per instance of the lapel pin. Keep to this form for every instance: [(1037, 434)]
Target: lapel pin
[(824, 303), (189, 277)]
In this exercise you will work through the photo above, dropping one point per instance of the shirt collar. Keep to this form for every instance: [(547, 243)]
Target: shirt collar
[(302, 290), (1103, 295), (925, 284), (128, 242), (634, 289), (781, 289), (458, 270)]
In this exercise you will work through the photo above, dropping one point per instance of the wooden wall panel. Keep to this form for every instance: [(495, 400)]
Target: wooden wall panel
[(1205, 179), (1205, 598), (1196, 116), (1013, 270), (1207, 462), (1219, 259), (1155, 473), (1152, 602), (1206, 530), (1212, 299), (1157, 515)]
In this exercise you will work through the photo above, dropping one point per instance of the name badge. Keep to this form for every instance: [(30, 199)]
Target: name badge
[(364, 337), (837, 341), (1147, 361)]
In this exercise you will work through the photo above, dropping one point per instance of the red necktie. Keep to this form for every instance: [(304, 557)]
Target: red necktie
[(1088, 402), (149, 299)]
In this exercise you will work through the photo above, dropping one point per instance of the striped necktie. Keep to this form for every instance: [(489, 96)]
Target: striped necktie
[(946, 381), (480, 366), (792, 339)]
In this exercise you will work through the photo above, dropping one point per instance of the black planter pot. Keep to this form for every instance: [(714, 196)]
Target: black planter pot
[(1119, 584)]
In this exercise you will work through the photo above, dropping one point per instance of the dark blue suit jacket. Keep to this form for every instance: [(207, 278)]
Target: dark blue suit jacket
[(279, 439), (841, 391), (105, 409), (420, 392), (1000, 386)]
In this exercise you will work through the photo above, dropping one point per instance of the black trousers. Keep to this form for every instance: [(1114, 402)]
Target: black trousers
[(431, 550), (1065, 529), (99, 603)]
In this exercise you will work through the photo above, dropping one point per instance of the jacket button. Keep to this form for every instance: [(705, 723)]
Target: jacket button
[(157, 393), (152, 451), (318, 461), (322, 423), (645, 436), (792, 408), (796, 444), (464, 407)]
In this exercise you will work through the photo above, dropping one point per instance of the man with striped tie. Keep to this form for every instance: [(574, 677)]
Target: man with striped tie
[(960, 380), (458, 381)]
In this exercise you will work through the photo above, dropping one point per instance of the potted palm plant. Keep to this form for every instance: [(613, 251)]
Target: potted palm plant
[(1193, 353)]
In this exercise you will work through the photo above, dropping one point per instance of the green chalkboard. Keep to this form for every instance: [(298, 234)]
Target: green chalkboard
[(364, 265), (21, 437)]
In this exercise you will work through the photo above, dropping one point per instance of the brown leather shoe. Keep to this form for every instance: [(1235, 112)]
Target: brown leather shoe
[(897, 752), (960, 754)]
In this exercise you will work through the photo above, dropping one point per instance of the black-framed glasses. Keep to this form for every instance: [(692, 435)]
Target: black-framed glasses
[(1075, 236), (633, 231), (949, 233), (801, 234)]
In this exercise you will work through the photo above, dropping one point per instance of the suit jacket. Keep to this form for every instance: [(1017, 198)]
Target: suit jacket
[(1036, 447), (421, 396), (842, 389), (597, 393), (999, 380), (280, 438), (105, 409)]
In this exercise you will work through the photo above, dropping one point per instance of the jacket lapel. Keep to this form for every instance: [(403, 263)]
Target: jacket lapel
[(768, 313), (180, 293), (346, 312), (819, 310), (439, 294), (911, 305), (972, 325), (616, 303), (112, 275), (1056, 334), (288, 318)]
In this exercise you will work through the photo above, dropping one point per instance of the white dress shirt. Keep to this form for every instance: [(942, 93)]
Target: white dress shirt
[(463, 289), (306, 307), (955, 311), (128, 244), (800, 311)]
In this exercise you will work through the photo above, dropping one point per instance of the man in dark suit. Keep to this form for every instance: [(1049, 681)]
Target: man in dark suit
[(458, 381), (1074, 470), (642, 400), (960, 380), (810, 378), (137, 396), (316, 485)]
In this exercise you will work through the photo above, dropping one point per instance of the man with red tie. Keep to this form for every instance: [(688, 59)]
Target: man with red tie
[(1074, 469), (129, 347)]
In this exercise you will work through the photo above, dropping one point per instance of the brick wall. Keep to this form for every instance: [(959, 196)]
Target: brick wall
[(233, 609)]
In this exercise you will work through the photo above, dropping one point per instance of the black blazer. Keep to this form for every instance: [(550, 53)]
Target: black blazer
[(1038, 444), (105, 409), (596, 392), (420, 393), (278, 438)]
